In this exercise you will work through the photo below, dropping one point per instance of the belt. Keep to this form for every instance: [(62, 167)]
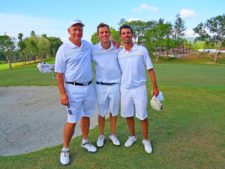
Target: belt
[(102, 83), (80, 84)]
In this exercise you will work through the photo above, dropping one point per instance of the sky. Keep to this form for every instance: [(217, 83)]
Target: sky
[(52, 17)]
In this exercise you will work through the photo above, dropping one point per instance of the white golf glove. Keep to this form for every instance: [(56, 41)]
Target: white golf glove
[(155, 102)]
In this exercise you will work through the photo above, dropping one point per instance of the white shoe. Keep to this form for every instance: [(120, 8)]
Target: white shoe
[(89, 147), (147, 146), (65, 157), (114, 139), (130, 141), (100, 141)]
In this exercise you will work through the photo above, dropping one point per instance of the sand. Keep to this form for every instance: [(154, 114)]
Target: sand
[(31, 118)]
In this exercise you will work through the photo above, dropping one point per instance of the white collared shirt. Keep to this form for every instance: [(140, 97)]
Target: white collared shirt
[(106, 64), (74, 62), (133, 64)]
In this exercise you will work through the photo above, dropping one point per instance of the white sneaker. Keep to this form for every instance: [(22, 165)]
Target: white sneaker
[(65, 157), (114, 139), (130, 141), (147, 146), (100, 141), (89, 147)]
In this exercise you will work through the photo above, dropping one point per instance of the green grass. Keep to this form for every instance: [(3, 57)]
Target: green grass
[(188, 134), (26, 75), (5, 66)]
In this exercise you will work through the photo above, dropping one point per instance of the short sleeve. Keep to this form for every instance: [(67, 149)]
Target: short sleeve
[(60, 61), (147, 59)]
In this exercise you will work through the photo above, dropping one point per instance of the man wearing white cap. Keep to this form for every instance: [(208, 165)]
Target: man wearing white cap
[(74, 77), (134, 60), (105, 57)]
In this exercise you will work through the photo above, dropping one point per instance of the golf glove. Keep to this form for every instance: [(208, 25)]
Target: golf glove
[(155, 102)]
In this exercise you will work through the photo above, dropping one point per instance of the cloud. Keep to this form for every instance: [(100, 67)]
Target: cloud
[(145, 7), (134, 19), (187, 13), (189, 33), (12, 24)]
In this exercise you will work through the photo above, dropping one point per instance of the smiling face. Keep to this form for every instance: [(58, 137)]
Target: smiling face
[(126, 35), (76, 33), (104, 34)]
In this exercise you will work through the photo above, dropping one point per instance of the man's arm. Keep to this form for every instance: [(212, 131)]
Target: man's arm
[(152, 76), (60, 82)]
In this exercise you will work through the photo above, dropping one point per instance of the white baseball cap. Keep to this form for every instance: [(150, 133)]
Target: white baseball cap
[(76, 21)]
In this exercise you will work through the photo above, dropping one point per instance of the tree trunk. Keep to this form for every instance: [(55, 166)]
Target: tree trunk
[(9, 62), (157, 58), (216, 57), (218, 51)]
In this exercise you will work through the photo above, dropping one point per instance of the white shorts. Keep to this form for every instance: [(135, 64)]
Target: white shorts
[(108, 98), (82, 101), (134, 101)]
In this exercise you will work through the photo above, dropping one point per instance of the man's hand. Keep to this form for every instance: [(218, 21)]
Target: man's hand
[(64, 99), (116, 44)]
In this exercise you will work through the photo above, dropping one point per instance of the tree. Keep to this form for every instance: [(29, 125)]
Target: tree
[(114, 36), (7, 48), (163, 33), (43, 47), (158, 37), (37, 47), (199, 45), (21, 46), (179, 27), (122, 21), (32, 33), (55, 43), (139, 28), (2, 57), (212, 32), (94, 38), (30, 49), (178, 30)]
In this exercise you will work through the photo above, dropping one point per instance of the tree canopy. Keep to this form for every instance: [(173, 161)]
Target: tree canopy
[(212, 32), (114, 36), (29, 48), (6, 48)]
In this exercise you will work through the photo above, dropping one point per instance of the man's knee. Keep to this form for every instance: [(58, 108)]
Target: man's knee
[(70, 125)]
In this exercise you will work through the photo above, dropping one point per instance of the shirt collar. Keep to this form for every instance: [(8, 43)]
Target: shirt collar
[(134, 47), (72, 45), (99, 46)]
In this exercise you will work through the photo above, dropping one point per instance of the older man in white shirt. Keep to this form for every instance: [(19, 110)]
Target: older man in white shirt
[(74, 77)]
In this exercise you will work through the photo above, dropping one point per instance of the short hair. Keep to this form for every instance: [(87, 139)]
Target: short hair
[(101, 25), (126, 27)]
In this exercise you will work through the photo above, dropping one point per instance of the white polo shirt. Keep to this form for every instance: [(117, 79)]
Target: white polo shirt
[(74, 62), (133, 65), (106, 64)]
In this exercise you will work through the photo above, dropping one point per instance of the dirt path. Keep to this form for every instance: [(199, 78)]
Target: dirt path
[(31, 118)]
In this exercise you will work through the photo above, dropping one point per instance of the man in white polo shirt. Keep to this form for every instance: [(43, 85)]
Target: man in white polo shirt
[(134, 60), (74, 77), (105, 57)]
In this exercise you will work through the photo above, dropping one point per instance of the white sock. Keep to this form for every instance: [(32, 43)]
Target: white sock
[(84, 141), (65, 149)]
